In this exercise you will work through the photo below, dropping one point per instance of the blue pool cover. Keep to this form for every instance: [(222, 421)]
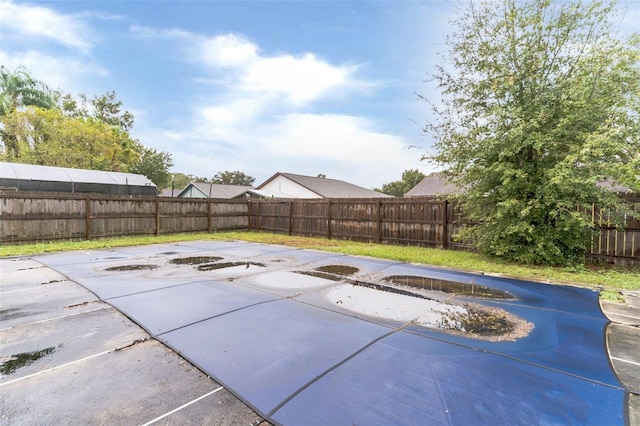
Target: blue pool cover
[(296, 360)]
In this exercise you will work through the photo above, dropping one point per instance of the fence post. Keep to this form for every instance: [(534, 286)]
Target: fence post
[(445, 225), (258, 216), (157, 216), (209, 215), (290, 217), (249, 213), (329, 219), (87, 217), (379, 218)]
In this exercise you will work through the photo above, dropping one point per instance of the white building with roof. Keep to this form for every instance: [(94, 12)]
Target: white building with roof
[(35, 178)]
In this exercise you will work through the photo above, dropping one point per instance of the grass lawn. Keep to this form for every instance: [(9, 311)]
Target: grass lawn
[(612, 280)]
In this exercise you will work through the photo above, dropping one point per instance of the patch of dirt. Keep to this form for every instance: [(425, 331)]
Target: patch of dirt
[(195, 260), (489, 323), (215, 266), (131, 268), (323, 275)]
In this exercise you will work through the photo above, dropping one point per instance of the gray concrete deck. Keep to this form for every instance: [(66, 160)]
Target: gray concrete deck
[(623, 343)]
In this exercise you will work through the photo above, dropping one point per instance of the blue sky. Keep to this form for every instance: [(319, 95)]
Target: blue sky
[(302, 87)]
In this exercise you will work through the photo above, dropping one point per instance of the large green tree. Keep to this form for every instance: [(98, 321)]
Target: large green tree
[(155, 165), (233, 178), (180, 180), (106, 109), (540, 106), (48, 137), (398, 188)]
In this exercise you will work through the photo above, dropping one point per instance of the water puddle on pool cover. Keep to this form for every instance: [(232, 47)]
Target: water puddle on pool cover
[(338, 269), (395, 300), (446, 286)]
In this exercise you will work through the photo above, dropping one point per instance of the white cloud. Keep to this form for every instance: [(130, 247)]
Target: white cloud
[(31, 21), (228, 50), (239, 64), (300, 80), (57, 72)]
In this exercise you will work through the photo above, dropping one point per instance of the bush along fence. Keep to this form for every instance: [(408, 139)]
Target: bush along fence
[(425, 222)]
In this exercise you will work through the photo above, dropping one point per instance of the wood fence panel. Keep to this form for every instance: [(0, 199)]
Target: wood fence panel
[(28, 218), (122, 216), (414, 222), (269, 215), (228, 215), (183, 215), (616, 244), (354, 220), (308, 217)]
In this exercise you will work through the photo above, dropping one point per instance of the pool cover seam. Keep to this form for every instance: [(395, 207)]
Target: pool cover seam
[(539, 308), (512, 358), (157, 289), (333, 367), (214, 316)]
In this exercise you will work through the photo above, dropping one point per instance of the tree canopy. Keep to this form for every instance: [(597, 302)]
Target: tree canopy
[(540, 107), (18, 89), (233, 178), (410, 178), (47, 137), (155, 165)]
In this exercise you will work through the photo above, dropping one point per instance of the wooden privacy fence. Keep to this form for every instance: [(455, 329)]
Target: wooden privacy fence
[(37, 217), (422, 222)]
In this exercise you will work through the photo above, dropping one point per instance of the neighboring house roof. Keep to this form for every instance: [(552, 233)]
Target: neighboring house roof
[(323, 187), (615, 187), (168, 192), (214, 190), (433, 184)]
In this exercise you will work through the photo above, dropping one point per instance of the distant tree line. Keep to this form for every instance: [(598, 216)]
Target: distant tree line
[(398, 188)]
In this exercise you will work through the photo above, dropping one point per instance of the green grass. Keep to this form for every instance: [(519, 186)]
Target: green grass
[(611, 279)]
